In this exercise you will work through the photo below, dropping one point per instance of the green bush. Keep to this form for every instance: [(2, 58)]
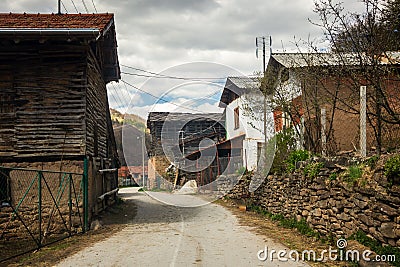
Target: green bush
[(312, 169), (353, 174), (296, 156), (392, 168), (285, 143)]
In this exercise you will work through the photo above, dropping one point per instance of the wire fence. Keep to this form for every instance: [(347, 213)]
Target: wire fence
[(39, 208)]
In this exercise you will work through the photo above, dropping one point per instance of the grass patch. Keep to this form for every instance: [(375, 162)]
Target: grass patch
[(292, 223), (333, 176), (377, 247)]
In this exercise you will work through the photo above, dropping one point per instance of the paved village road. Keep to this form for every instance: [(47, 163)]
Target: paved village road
[(164, 235)]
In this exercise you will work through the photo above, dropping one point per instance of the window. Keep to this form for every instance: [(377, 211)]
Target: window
[(236, 117)]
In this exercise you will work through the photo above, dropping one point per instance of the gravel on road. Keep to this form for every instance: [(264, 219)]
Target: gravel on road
[(165, 235)]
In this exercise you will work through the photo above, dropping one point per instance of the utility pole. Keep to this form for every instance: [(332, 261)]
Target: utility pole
[(363, 121), (143, 144), (59, 7), (262, 39)]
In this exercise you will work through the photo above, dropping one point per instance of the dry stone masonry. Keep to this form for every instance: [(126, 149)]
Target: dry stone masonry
[(329, 204)]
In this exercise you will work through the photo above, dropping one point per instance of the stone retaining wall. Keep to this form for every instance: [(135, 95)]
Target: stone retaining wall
[(331, 206)]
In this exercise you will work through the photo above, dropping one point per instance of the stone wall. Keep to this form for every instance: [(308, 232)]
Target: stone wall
[(331, 206)]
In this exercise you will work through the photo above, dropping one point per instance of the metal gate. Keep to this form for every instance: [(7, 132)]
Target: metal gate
[(40, 207)]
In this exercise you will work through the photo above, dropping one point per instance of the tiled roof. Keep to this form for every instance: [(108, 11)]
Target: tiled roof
[(177, 116), (237, 86), (55, 21), (245, 82), (300, 60)]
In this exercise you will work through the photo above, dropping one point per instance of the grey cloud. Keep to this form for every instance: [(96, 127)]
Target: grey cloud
[(155, 34), (231, 26), (175, 5)]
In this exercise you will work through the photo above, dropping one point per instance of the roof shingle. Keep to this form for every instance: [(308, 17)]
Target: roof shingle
[(56, 21)]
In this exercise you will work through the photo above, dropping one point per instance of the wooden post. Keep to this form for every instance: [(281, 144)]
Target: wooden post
[(197, 171), (228, 167), (323, 131), (363, 121), (218, 165), (302, 132)]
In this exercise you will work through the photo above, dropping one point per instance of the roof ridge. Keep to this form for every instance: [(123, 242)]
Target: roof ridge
[(56, 14)]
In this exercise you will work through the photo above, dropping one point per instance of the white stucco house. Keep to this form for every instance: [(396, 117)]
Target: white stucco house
[(244, 117)]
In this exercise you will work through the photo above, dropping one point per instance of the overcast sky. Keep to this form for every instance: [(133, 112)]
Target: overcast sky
[(169, 36)]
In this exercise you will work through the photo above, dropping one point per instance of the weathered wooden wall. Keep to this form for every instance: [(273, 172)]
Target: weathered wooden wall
[(96, 111), (45, 115), (53, 103)]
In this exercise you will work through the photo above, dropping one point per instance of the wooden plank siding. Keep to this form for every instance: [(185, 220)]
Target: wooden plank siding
[(96, 111), (7, 111), (48, 87)]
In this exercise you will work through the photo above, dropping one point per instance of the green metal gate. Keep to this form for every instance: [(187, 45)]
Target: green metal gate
[(40, 207)]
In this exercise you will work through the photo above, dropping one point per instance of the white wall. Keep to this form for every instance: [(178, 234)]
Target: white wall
[(251, 125), (250, 153)]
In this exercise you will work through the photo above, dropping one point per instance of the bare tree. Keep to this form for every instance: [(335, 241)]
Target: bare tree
[(362, 46)]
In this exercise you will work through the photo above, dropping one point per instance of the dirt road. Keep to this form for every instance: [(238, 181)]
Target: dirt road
[(164, 235)]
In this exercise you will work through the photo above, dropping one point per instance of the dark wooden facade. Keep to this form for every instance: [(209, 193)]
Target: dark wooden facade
[(53, 97), (195, 127)]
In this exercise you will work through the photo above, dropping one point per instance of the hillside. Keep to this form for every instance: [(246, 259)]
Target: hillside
[(128, 131), (120, 119)]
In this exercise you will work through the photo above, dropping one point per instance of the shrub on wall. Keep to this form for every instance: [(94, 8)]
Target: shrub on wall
[(296, 156), (285, 143), (392, 169), (312, 169), (354, 173)]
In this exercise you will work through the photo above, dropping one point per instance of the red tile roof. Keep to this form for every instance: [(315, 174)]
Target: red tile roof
[(55, 21), (125, 170)]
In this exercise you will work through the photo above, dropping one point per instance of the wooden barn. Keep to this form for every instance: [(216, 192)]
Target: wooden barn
[(53, 100)]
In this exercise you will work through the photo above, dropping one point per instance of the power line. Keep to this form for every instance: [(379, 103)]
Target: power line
[(157, 75), (159, 97), (84, 4), (64, 6), (125, 90), (73, 3), (170, 77), (184, 107), (94, 6), (118, 95), (204, 97), (113, 97), (191, 101)]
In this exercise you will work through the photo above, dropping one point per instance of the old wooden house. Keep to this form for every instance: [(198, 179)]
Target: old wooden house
[(174, 136), (53, 100)]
